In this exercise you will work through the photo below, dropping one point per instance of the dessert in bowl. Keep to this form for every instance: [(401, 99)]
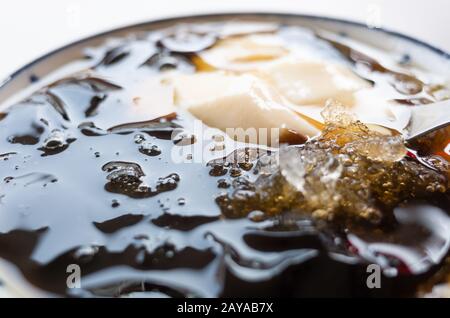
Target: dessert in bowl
[(227, 155)]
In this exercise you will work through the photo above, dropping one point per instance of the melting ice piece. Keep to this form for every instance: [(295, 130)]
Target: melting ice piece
[(335, 113), (314, 173), (382, 148), (373, 142), (348, 172)]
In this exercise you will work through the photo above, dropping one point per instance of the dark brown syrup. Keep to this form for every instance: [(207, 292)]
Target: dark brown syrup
[(85, 181)]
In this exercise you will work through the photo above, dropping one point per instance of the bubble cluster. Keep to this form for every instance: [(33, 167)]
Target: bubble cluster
[(127, 178)]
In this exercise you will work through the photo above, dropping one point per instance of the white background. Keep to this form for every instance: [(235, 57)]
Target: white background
[(30, 28)]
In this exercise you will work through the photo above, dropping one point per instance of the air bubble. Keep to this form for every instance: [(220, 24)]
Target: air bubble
[(139, 138), (149, 149)]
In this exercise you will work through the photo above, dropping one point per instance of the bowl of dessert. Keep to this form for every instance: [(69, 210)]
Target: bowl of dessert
[(226, 155)]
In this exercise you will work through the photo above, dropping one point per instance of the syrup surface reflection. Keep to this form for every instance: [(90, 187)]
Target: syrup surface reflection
[(87, 178)]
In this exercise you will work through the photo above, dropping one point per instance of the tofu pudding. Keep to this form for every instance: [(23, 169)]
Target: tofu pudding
[(226, 159)]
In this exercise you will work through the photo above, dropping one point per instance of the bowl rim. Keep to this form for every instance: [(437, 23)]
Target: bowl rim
[(174, 19)]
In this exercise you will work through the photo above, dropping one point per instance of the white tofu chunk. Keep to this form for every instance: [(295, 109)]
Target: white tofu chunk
[(151, 98), (227, 101), (306, 82), (243, 53)]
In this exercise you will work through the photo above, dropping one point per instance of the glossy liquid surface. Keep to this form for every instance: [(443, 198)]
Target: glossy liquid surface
[(87, 178)]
